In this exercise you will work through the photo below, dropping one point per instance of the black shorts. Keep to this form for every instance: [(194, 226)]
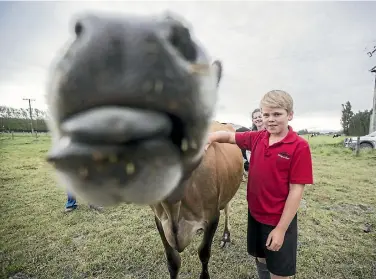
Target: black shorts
[(282, 262)]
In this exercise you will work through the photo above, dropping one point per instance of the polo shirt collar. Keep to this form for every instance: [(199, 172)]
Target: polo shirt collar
[(289, 138)]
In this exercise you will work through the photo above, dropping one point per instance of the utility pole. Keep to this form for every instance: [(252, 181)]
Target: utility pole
[(31, 114), (372, 126)]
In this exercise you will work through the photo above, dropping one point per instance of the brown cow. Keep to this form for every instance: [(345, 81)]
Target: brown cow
[(130, 105), (209, 189)]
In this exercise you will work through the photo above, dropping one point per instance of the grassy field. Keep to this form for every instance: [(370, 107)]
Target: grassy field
[(39, 240)]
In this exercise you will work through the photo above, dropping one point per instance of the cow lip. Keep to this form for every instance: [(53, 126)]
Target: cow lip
[(110, 170), (120, 163), (101, 133), (104, 159)]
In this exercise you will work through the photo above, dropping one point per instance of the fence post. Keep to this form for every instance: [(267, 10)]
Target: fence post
[(357, 147)]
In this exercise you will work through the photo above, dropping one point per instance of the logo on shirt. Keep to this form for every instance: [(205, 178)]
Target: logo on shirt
[(284, 155)]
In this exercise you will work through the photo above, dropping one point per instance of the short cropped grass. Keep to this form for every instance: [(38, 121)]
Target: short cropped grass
[(39, 240)]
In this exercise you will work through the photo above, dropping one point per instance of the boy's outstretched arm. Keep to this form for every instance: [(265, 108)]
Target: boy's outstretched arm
[(222, 137)]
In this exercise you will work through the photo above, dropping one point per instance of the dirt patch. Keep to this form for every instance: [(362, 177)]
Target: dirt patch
[(78, 240), (6, 179), (356, 209), (303, 204), (27, 167)]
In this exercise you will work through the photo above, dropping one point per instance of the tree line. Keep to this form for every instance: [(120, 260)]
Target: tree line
[(18, 119), (355, 124)]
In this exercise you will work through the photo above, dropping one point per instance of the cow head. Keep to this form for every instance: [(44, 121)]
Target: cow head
[(130, 102)]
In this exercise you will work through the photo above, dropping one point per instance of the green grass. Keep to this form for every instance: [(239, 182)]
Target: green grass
[(39, 240)]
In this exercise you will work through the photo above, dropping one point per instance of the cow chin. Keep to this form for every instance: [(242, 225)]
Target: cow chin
[(106, 175), (126, 187)]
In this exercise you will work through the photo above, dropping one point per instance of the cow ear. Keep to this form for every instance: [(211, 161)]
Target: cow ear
[(218, 68)]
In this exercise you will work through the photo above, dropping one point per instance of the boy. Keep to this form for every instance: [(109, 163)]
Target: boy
[(279, 168)]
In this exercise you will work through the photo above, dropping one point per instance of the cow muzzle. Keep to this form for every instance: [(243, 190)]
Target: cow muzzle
[(130, 103), (124, 149)]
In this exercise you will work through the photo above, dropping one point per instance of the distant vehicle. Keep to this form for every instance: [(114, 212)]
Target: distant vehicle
[(366, 142)]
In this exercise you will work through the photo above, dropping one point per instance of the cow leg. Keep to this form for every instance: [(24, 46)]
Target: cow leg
[(205, 247), (173, 257), (226, 233)]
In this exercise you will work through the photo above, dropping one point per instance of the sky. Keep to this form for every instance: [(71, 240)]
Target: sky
[(316, 51)]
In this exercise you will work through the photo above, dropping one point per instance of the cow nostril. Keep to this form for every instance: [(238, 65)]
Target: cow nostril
[(78, 28), (180, 38)]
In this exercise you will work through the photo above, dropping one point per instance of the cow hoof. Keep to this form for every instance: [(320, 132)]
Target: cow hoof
[(225, 244), (226, 241)]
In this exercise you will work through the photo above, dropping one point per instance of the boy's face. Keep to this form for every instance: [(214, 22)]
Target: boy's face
[(276, 120)]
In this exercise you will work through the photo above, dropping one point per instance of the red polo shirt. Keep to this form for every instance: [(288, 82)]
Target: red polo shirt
[(271, 171)]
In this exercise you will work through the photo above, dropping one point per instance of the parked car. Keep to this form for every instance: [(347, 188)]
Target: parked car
[(368, 141)]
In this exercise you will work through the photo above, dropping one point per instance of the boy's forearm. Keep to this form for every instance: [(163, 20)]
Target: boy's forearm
[(291, 206), (222, 137)]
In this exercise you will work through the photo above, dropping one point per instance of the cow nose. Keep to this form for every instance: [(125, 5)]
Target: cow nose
[(93, 32), (114, 61), (78, 28), (180, 38)]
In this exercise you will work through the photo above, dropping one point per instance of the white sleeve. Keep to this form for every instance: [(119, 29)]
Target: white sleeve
[(248, 155)]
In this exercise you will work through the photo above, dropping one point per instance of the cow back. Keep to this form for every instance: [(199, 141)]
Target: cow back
[(218, 177)]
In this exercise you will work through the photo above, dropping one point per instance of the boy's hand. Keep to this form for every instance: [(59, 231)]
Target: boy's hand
[(221, 137), (275, 239)]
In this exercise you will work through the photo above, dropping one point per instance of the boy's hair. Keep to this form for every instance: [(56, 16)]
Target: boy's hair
[(278, 99)]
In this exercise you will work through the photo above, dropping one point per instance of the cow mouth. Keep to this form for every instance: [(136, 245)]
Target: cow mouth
[(110, 154)]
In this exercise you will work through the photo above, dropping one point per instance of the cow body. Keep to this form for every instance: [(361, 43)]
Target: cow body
[(208, 190)]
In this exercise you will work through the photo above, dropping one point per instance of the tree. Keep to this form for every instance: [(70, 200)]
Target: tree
[(24, 114), (303, 132), (17, 120), (359, 123), (347, 114)]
